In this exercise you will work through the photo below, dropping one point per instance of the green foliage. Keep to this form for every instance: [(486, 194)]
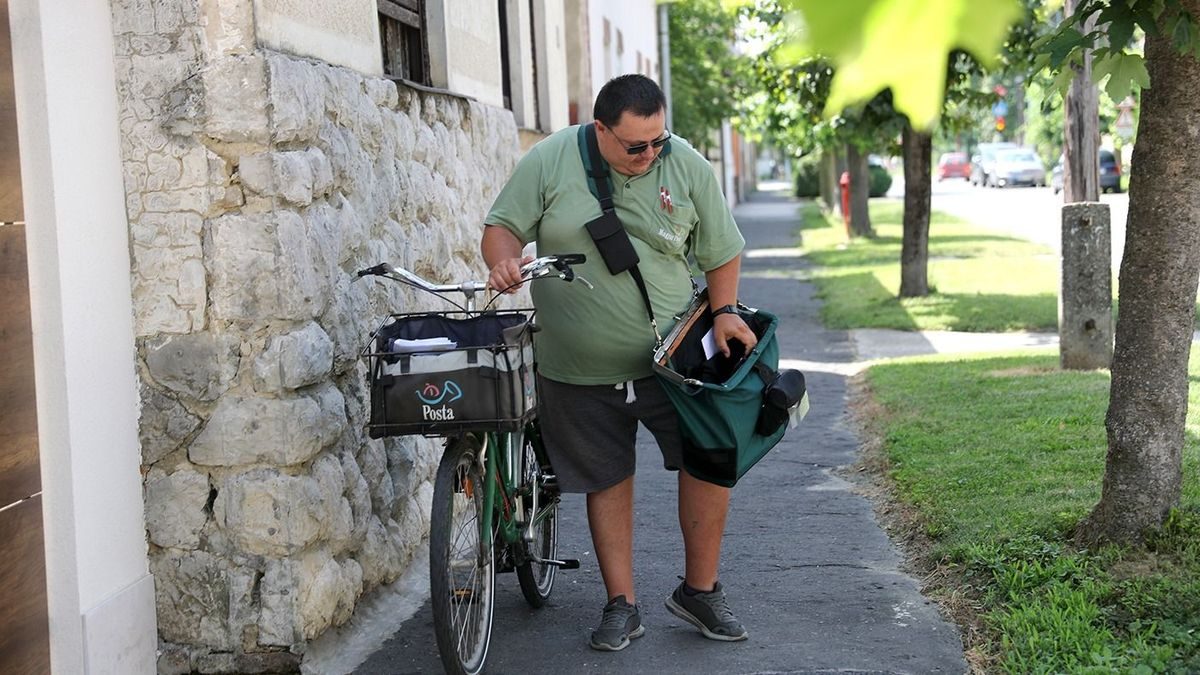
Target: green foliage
[(1109, 28), (707, 77), (1001, 455), (794, 94), (808, 176), (871, 44), (982, 282), (879, 181)]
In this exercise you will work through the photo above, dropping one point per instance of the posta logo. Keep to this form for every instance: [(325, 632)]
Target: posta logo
[(432, 395)]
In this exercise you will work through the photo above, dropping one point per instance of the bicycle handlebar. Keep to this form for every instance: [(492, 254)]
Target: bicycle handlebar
[(539, 268)]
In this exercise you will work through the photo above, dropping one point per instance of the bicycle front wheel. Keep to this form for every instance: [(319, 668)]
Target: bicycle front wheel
[(461, 560), (537, 579)]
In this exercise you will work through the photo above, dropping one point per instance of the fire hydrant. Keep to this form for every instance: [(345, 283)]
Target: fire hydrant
[(844, 184)]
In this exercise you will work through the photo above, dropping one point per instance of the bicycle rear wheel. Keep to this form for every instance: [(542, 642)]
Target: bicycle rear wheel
[(537, 579), (461, 562)]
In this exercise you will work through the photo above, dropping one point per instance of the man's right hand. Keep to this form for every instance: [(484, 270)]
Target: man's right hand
[(506, 275)]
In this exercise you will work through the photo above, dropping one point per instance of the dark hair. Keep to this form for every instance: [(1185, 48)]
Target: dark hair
[(633, 93)]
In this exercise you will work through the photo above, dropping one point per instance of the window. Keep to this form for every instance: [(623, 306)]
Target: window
[(402, 36)]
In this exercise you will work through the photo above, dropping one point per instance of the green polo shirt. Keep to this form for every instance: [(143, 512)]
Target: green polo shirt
[(602, 335)]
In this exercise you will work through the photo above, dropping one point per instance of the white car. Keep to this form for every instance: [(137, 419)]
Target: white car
[(1017, 166)]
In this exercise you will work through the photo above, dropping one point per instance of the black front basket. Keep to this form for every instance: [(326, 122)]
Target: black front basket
[(483, 382)]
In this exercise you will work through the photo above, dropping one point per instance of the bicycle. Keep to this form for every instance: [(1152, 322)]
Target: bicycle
[(495, 498)]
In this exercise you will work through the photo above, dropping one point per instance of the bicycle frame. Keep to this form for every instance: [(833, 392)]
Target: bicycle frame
[(501, 505)]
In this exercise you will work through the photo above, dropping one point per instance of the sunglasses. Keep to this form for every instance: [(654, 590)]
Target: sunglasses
[(641, 147)]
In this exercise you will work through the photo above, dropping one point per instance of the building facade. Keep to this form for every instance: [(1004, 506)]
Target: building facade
[(201, 180)]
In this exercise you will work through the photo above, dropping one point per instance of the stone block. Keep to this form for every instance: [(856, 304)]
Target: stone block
[(232, 31), (198, 365), (164, 424), (379, 557), (329, 588), (261, 268), (268, 513), (297, 98), (175, 508), (322, 172), (279, 619), (327, 471), (196, 200), (293, 360), (235, 99), (1085, 320), (382, 92), (287, 175), (192, 597), (277, 431), (359, 497)]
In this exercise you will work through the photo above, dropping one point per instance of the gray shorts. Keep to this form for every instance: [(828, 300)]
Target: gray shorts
[(589, 430)]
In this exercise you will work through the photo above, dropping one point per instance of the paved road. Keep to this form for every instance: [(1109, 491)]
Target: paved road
[(1028, 213), (807, 567)]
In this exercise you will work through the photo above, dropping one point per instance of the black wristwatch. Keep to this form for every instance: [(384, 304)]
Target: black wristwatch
[(727, 309)]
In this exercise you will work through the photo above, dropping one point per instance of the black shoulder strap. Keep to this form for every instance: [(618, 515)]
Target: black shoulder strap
[(600, 183), (599, 180)]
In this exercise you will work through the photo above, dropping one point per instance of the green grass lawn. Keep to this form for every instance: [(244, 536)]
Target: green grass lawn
[(999, 457), (980, 281)]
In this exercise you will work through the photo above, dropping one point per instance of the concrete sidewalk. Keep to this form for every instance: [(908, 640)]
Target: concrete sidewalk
[(807, 567)]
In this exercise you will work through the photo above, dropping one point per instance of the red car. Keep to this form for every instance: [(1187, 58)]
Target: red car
[(954, 165)]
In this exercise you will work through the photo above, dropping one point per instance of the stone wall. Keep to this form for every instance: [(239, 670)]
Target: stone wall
[(257, 183)]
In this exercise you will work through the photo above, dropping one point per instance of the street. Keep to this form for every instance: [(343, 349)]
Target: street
[(1028, 213)]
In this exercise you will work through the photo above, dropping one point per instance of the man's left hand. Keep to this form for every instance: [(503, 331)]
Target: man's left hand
[(728, 327)]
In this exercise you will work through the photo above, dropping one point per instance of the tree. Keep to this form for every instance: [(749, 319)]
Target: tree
[(707, 76), (914, 246), (1161, 265), (1158, 277)]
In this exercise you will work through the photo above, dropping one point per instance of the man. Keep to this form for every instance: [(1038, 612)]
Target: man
[(594, 350)]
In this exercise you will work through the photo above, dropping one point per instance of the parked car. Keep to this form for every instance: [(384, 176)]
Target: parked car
[(1110, 173), (985, 157), (1016, 166), (953, 165)]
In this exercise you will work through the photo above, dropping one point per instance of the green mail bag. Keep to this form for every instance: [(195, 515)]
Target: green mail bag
[(719, 399)]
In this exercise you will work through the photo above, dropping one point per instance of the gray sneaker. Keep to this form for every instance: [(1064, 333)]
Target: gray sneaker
[(709, 612), (621, 622)]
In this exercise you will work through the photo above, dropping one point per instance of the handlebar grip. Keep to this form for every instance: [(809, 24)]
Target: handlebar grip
[(381, 268)]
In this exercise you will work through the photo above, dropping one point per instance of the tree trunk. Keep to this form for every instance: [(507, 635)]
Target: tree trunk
[(860, 216), (1149, 396), (918, 177), (829, 179), (1081, 131)]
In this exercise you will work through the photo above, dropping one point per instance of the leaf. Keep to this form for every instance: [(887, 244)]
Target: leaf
[(900, 44), (1128, 71), (1061, 44), (1103, 66), (1120, 23)]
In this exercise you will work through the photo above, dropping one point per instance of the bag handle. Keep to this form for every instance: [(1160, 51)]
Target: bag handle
[(600, 184)]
